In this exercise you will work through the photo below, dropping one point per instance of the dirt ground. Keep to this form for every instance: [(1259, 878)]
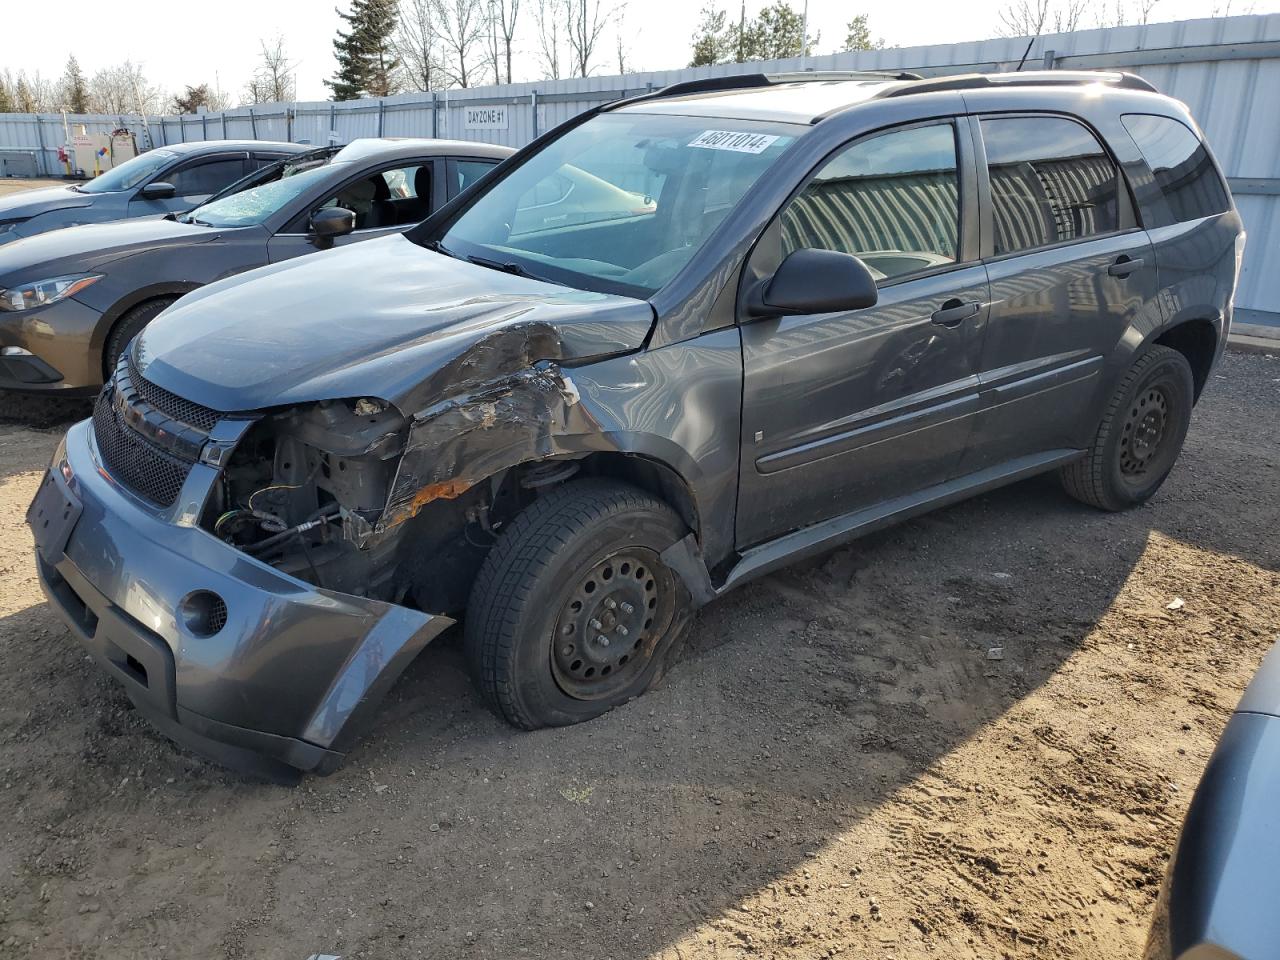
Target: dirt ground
[(17, 184), (837, 766)]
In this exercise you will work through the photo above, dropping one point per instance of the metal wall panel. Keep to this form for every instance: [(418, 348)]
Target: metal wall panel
[(1225, 69)]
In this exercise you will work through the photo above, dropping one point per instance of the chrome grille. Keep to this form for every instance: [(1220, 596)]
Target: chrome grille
[(170, 404), (134, 461)]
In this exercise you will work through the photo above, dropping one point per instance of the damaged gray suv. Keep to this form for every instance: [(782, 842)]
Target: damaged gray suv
[(672, 345)]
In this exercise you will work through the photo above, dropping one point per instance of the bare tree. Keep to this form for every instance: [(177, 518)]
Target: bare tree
[(273, 81), (503, 15), (586, 20), (492, 45), (1030, 18), (625, 64), (417, 45), (33, 93), (1224, 9), (460, 25), (124, 89), (550, 37)]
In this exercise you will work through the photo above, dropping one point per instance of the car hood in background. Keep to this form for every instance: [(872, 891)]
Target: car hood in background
[(91, 245), (385, 318), (31, 203)]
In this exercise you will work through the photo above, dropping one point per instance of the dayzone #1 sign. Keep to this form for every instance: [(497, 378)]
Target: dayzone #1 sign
[(485, 118)]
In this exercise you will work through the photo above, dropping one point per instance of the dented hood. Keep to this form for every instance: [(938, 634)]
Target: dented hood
[(385, 318)]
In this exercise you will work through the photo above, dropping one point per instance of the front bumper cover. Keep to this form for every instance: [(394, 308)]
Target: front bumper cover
[(61, 339), (288, 680)]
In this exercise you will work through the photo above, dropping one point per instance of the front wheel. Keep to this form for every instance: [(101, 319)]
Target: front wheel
[(574, 612), (128, 327), (1140, 436)]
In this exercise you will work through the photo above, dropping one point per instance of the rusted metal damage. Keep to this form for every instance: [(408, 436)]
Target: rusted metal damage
[(458, 442)]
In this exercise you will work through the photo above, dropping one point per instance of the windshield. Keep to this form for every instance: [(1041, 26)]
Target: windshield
[(253, 206), (620, 203), (130, 173)]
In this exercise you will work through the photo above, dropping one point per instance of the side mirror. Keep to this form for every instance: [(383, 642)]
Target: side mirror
[(159, 190), (331, 222), (814, 281)]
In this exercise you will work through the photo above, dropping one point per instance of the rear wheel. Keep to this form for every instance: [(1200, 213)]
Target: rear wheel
[(128, 327), (1140, 436), (574, 612)]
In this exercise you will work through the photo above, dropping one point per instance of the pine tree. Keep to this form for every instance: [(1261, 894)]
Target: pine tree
[(381, 17), (74, 92), (25, 96), (709, 42), (859, 35), (366, 61)]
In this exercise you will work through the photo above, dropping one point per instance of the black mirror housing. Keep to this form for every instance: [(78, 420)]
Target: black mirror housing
[(332, 222), (159, 190), (815, 281)]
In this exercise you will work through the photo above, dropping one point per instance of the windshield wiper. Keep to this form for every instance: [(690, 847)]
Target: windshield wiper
[(511, 267), (199, 223), (435, 246)]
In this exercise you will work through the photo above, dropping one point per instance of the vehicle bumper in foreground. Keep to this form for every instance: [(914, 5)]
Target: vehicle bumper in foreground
[(258, 670), (57, 351), (1219, 895)]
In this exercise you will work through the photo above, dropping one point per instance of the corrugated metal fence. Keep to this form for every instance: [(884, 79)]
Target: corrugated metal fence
[(1222, 68)]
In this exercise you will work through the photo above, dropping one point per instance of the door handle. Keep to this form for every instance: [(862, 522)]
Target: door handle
[(955, 312), (1124, 265)]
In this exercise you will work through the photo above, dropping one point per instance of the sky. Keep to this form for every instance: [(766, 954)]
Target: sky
[(180, 44)]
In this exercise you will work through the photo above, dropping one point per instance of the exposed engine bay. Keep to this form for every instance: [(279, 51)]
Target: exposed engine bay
[(306, 491)]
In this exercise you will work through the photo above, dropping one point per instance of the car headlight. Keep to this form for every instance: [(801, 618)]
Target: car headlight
[(40, 292)]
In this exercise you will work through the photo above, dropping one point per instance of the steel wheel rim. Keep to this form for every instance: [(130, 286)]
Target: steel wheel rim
[(609, 626), (1146, 433)]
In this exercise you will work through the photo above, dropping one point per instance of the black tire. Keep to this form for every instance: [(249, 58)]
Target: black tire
[(1141, 434), (128, 327), (588, 543)]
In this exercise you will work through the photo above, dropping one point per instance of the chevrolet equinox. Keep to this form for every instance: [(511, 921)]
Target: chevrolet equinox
[(802, 308)]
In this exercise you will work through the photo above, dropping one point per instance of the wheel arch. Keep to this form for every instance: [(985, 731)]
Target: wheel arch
[(1197, 338), (136, 298)]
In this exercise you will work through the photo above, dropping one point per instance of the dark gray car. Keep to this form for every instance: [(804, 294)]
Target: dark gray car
[(70, 300), (820, 305), (1219, 895), (165, 180)]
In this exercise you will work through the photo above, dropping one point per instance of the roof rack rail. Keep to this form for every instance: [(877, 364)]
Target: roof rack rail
[(748, 81), (1030, 78), (801, 76)]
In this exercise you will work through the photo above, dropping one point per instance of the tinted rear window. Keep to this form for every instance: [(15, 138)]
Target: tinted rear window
[(1183, 169), (1051, 182)]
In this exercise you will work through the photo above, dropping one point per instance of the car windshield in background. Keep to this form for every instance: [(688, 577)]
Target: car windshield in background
[(253, 206), (130, 173), (620, 203)]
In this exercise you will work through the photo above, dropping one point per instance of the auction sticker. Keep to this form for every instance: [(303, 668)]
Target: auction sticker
[(732, 140)]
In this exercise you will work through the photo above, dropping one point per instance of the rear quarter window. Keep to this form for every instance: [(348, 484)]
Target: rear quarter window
[(1181, 165)]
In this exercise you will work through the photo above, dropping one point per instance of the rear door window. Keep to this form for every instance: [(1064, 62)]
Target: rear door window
[(1181, 165), (1051, 182)]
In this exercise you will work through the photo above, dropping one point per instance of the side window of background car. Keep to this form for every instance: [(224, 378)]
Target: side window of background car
[(892, 200), (1051, 181), (202, 178), (390, 198), (469, 171), (1181, 165)]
